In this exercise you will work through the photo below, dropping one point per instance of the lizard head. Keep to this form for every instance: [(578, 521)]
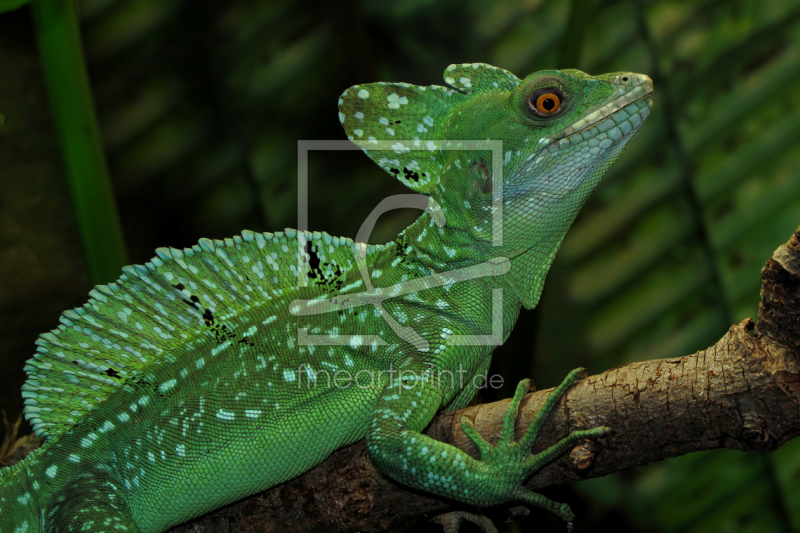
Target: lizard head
[(531, 149)]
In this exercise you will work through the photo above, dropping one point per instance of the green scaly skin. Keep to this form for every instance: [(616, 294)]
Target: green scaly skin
[(191, 382)]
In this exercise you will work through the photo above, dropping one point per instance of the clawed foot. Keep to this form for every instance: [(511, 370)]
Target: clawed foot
[(510, 463), (451, 522)]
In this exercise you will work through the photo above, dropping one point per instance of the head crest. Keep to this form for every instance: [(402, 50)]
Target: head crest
[(400, 125)]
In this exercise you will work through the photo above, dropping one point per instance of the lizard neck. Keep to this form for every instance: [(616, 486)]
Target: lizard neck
[(451, 247), (529, 268), (442, 249)]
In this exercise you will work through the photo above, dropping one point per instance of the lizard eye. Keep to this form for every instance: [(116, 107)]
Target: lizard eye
[(545, 102)]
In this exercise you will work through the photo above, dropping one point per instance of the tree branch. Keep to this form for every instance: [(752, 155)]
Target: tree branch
[(742, 393)]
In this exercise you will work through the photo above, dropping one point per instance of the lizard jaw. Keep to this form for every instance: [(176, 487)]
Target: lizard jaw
[(601, 118)]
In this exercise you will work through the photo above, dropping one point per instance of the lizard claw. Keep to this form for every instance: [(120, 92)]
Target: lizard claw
[(451, 522)]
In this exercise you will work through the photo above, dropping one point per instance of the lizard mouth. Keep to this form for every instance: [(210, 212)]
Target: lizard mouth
[(629, 111)]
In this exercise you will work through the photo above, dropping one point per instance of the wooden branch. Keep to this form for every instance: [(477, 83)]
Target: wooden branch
[(742, 393)]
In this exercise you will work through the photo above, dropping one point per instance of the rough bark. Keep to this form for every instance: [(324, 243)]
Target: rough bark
[(742, 393)]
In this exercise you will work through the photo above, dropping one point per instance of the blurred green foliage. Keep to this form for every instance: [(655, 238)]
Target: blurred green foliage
[(201, 104), (10, 5)]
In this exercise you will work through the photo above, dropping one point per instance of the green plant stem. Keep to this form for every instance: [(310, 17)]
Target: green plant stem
[(72, 108)]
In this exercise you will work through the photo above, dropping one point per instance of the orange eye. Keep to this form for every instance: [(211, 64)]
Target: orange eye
[(547, 103)]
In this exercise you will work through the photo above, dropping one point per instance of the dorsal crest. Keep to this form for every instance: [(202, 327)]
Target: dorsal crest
[(173, 306), (411, 120)]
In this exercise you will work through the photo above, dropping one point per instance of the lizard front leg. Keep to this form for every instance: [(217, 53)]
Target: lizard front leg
[(398, 449)]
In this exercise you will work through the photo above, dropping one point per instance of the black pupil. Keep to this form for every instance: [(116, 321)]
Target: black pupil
[(549, 104)]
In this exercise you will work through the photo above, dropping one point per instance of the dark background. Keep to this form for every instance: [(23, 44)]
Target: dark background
[(201, 104)]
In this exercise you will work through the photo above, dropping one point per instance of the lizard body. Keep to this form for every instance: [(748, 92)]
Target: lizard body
[(218, 371)]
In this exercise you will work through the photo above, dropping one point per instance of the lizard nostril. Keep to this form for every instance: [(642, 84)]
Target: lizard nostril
[(625, 78)]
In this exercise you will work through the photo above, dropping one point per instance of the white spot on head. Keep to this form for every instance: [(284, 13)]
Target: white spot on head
[(399, 148), (363, 93), (396, 101)]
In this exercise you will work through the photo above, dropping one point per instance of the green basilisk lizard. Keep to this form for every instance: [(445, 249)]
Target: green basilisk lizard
[(217, 371)]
